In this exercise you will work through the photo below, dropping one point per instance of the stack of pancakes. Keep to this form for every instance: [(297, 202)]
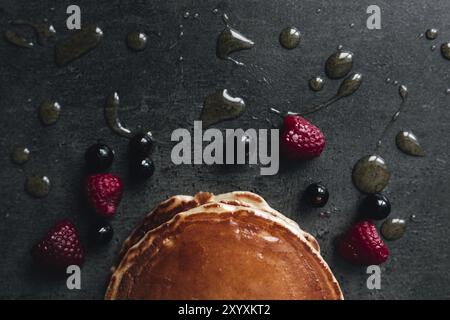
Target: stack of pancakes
[(229, 246)]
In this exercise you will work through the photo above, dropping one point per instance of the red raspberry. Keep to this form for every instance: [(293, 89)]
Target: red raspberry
[(104, 192), (60, 247), (300, 139), (362, 245)]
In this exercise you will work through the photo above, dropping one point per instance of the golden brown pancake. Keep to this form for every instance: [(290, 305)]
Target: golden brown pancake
[(223, 251), (176, 204)]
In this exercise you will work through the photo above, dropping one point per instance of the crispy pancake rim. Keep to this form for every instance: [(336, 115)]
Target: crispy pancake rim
[(147, 241), (177, 204)]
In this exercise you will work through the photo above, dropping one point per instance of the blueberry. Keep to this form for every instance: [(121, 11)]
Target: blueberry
[(142, 168), (316, 195), (101, 233), (375, 206), (99, 157), (141, 145)]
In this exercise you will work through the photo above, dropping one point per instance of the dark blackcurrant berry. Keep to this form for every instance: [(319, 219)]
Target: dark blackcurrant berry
[(141, 145), (375, 206), (316, 195), (142, 168), (101, 233), (99, 157)]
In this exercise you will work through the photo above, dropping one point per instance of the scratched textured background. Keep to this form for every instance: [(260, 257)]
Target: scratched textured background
[(161, 94)]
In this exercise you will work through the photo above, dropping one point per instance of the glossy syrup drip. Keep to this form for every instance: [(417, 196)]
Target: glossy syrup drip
[(20, 155), (231, 40), (49, 112), (18, 40), (112, 116), (407, 142), (316, 83), (371, 174), (78, 44), (393, 229), (432, 33), (137, 41), (339, 64), (44, 30), (290, 37), (348, 87), (37, 186), (445, 50), (221, 106), (403, 93)]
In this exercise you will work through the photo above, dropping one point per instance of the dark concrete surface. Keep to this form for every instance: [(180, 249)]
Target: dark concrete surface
[(161, 94)]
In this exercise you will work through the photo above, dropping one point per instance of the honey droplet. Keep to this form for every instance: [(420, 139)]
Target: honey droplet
[(221, 106), (112, 116), (231, 40), (408, 143), (371, 174), (339, 64), (18, 40), (393, 228), (290, 37), (49, 112), (316, 83), (78, 44), (432, 33), (20, 155), (445, 50), (37, 186), (350, 85), (136, 40)]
